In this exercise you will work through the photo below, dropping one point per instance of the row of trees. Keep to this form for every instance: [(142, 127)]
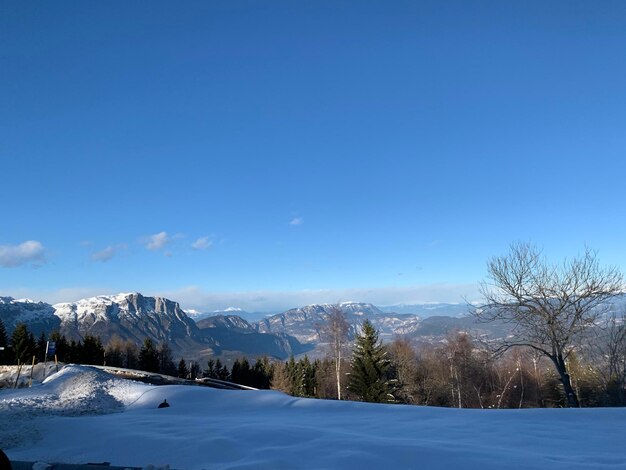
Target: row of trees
[(456, 372)]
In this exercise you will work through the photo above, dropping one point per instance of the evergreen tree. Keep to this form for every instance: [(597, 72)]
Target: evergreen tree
[(210, 372), (369, 368), (22, 344), (4, 343), (62, 346), (240, 372), (166, 361), (73, 351), (262, 373), (304, 384), (183, 372), (148, 357), (91, 351), (222, 371), (40, 352)]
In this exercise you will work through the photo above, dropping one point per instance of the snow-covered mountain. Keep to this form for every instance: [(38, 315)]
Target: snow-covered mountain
[(129, 316), (305, 323), (197, 315), (39, 316), (134, 317)]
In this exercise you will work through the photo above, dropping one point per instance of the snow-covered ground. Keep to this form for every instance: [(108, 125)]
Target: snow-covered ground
[(81, 415)]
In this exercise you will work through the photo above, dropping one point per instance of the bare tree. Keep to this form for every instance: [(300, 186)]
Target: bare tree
[(609, 355), (548, 305), (336, 331)]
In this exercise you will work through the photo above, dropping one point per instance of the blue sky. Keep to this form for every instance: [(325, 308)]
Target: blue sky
[(274, 154)]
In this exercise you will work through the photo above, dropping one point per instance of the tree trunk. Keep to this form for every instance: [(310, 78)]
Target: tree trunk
[(338, 373), (561, 367)]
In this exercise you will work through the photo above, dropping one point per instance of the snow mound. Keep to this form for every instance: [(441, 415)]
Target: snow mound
[(73, 391)]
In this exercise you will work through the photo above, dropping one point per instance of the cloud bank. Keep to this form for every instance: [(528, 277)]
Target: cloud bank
[(277, 301), (29, 252)]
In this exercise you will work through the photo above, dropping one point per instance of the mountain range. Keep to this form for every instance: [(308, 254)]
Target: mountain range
[(134, 317), (226, 334)]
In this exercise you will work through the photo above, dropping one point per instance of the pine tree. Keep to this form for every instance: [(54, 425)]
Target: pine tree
[(222, 371), (91, 351), (240, 372), (22, 343), (210, 370), (148, 357), (305, 378), (183, 372), (166, 362), (62, 346), (369, 368), (40, 352)]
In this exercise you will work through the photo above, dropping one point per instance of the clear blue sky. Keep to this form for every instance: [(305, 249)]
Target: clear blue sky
[(311, 151)]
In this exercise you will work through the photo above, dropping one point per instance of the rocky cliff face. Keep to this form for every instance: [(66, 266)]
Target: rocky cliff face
[(129, 316)]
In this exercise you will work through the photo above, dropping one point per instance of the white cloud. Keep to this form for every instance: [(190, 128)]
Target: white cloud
[(108, 253), (278, 301), (157, 241), (296, 221), (202, 243), (30, 251)]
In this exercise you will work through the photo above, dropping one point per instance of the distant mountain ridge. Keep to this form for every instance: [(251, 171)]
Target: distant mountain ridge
[(132, 316), (305, 323)]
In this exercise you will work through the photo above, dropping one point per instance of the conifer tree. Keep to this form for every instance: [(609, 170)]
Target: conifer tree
[(62, 346), (91, 351), (22, 344), (240, 372), (166, 362), (369, 368), (183, 372), (40, 352), (305, 378), (148, 357), (213, 370), (222, 371)]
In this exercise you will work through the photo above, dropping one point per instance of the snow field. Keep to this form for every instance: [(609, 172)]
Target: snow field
[(222, 429)]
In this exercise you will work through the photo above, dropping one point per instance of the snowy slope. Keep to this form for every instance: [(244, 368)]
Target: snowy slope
[(64, 420)]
